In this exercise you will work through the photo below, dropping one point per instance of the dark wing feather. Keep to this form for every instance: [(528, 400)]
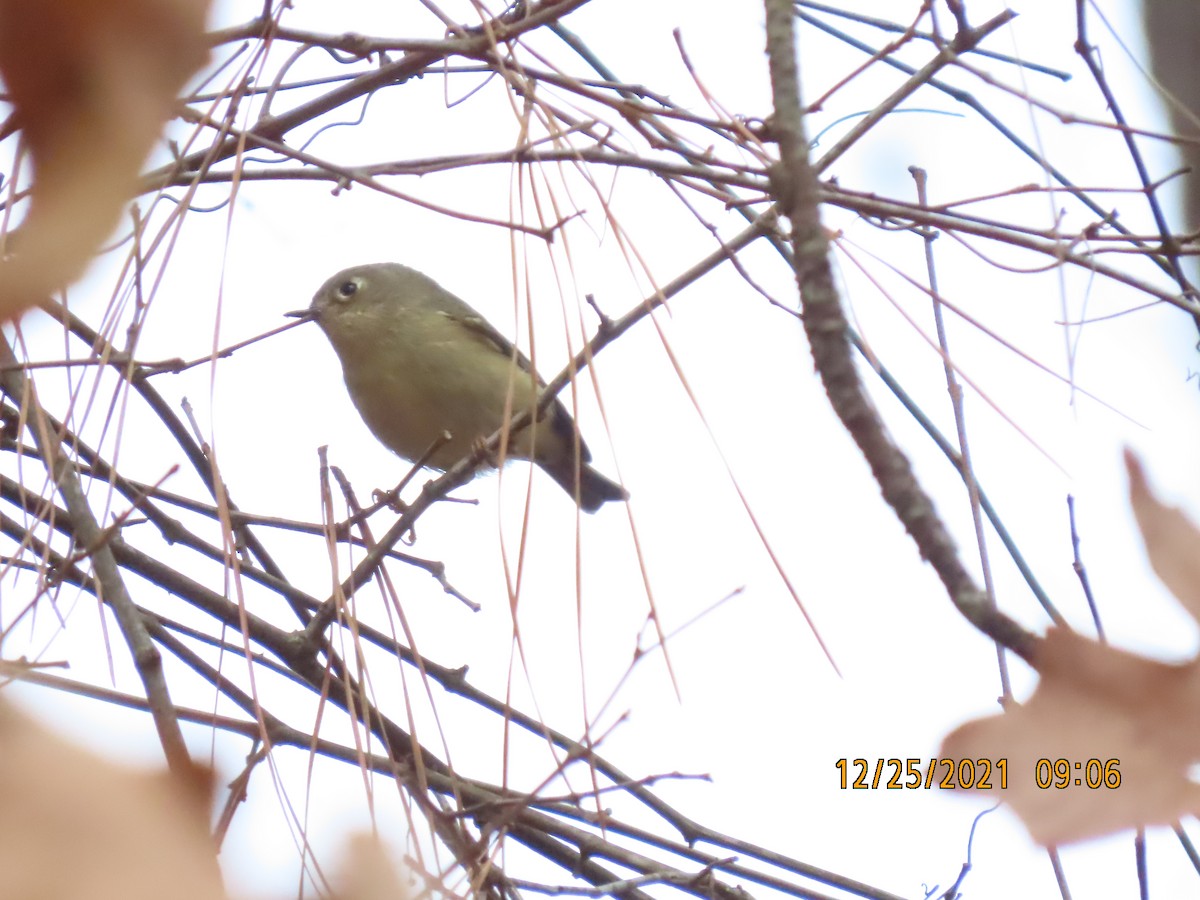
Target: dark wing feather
[(487, 334)]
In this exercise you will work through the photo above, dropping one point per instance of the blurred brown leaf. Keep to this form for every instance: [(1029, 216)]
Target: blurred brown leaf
[(1097, 703), (92, 82), (74, 825), (367, 873), (1172, 542)]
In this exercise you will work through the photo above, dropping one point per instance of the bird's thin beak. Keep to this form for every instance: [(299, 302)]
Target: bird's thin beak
[(305, 314)]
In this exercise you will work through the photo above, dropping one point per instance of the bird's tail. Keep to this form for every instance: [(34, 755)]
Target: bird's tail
[(594, 489)]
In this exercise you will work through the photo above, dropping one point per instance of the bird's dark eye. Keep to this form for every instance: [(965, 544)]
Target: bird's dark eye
[(347, 289)]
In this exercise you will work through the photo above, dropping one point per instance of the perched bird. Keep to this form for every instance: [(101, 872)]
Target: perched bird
[(418, 362)]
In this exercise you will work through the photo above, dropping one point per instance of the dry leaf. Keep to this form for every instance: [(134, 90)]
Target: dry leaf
[(74, 825), (1127, 727), (1108, 713), (92, 82), (1172, 541), (368, 873)]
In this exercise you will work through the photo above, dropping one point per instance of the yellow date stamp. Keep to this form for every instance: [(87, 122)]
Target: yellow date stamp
[(899, 774)]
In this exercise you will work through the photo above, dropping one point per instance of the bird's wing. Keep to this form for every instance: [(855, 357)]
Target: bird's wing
[(485, 332)]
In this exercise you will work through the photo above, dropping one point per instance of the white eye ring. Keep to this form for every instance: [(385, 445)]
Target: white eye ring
[(348, 288)]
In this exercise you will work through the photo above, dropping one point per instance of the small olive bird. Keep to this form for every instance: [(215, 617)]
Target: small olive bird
[(419, 362)]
